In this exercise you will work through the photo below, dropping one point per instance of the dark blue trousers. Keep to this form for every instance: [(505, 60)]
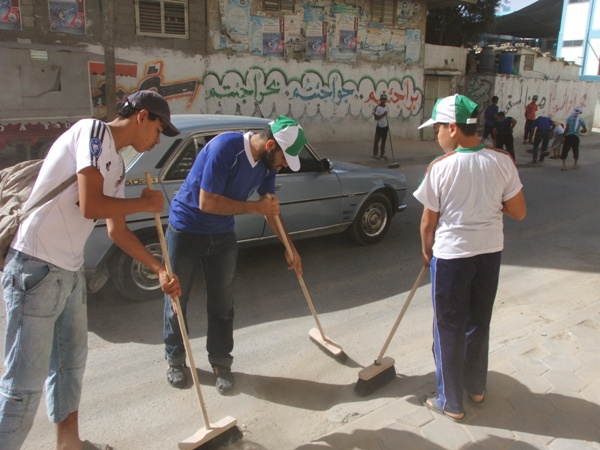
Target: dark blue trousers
[(463, 292)]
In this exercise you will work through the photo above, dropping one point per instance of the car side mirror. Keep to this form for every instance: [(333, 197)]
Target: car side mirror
[(326, 165)]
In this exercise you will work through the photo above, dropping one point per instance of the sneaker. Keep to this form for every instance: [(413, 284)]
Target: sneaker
[(375, 157), (385, 158), (545, 153), (176, 375), (224, 379)]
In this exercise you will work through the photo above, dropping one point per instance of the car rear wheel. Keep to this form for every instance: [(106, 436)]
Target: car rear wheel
[(131, 278), (372, 221)]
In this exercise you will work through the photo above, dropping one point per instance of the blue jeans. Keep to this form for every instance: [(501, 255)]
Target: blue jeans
[(463, 293), (46, 340), (216, 255)]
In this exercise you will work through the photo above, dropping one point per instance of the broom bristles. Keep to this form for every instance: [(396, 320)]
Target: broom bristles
[(366, 387)]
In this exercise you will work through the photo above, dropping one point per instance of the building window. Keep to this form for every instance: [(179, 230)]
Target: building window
[(579, 1), (528, 62), (577, 43), (279, 5), (166, 18), (384, 11)]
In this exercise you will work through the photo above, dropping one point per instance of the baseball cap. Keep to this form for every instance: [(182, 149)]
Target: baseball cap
[(156, 105), (383, 96), (454, 109), (290, 137), (534, 97)]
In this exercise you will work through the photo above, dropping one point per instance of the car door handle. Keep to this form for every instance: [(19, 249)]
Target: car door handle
[(278, 187)]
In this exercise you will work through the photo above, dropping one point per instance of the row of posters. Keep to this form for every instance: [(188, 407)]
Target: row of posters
[(66, 16), (339, 35)]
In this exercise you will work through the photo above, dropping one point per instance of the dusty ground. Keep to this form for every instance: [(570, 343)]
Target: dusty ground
[(288, 391)]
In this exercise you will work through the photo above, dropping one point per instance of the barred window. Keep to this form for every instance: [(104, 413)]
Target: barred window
[(384, 11), (168, 18), (279, 5)]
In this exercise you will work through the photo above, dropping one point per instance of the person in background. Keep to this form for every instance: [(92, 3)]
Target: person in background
[(465, 194), (575, 124), (530, 114), (201, 236), (542, 126), (559, 136), (504, 133), (380, 114), (490, 116), (44, 285)]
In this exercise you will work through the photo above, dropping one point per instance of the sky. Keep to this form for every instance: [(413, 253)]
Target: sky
[(510, 6)]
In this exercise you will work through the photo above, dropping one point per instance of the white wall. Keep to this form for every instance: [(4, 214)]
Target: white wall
[(333, 102), (556, 98)]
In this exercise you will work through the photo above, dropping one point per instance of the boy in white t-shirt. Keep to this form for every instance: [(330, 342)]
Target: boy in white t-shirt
[(44, 286), (559, 135), (465, 194)]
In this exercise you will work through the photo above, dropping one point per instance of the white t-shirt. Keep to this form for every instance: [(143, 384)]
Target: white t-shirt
[(57, 231), (467, 188), (379, 110)]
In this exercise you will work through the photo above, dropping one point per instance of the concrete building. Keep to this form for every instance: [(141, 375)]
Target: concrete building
[(323, 63), (579, 37)]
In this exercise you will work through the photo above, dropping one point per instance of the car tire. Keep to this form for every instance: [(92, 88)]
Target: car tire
[(372, 221), (132, 279)]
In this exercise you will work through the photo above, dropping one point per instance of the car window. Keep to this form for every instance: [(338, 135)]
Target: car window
[(183, 163), (308, 163)]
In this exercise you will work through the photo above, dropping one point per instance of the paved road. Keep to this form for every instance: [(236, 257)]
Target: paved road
[(290, 393)]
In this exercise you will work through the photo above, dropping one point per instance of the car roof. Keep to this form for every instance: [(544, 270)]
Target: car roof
[(199, 122)]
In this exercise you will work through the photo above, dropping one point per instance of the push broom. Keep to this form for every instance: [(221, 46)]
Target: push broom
[(225, 430), (394, 164), (382, 371), (316, 334)]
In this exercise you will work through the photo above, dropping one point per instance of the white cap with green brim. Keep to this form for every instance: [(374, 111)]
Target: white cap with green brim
[(290, 137), (454, 109)]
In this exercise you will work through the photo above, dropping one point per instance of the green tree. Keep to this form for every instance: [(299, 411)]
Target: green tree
[(461, 25)]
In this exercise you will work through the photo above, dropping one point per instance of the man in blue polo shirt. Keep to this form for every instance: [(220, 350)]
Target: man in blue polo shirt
[(543, 128), (228, 170)]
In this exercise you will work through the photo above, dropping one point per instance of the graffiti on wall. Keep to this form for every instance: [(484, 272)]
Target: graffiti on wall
[(269, 93), (152, 79), (555, 99)]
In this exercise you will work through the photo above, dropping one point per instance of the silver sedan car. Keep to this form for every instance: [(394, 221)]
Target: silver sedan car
[(323, 197)]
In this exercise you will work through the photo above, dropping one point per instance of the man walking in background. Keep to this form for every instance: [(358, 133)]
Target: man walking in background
[(575, 124), (490, 116), (543, 129), (530, 113)]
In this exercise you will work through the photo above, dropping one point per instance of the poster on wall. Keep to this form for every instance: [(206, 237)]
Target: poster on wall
[(10, 15), (345, 38), (315, 31), (67, 16), (407, 12), (294, 41), (256, 35), (397, 42), (413, 45), (273, 37), (374, 40), (236, 17)]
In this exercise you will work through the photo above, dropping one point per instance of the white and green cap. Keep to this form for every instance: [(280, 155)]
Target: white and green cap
[(290, 137), (454, 109)]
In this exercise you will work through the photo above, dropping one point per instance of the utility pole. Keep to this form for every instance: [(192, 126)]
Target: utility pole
[(108, 42)]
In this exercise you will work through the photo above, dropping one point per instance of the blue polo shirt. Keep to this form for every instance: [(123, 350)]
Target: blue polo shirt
[(223, 167), (543, 123)]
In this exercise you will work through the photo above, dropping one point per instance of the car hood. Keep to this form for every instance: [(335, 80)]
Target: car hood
[(342, 167)]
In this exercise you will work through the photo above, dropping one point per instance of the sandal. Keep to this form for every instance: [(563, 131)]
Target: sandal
[(176, 375), (431, 403)]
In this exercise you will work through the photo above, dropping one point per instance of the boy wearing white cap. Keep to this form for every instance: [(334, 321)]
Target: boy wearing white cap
[(464, 194), (380, 113), (200, 235)]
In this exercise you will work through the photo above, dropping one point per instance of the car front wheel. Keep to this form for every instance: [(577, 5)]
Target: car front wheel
[(131, 278), (372, 221)]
